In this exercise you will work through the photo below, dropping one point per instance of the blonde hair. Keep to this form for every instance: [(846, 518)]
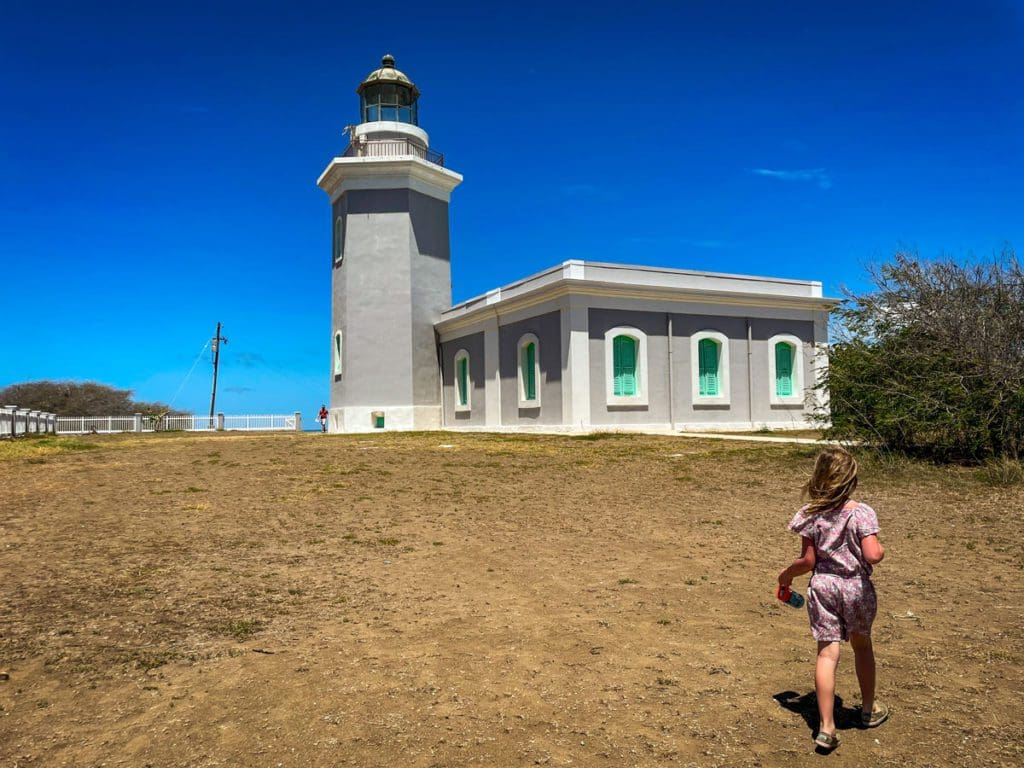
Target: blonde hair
[(833, 482)]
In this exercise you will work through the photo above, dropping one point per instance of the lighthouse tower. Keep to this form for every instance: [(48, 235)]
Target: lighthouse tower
[(391, 273)]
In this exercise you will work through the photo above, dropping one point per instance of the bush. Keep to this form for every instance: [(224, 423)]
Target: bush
[(931, 362), (72, 398)]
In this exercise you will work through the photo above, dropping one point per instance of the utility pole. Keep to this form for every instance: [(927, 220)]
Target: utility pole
[(216, 362)]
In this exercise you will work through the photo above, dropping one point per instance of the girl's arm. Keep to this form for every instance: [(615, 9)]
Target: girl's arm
[(803, 564), (872, 549)]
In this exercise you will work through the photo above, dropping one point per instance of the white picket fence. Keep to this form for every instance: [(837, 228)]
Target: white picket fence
[(15, 422), (80, 425)]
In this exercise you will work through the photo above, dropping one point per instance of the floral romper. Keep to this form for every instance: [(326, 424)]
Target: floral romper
[(841, 598)]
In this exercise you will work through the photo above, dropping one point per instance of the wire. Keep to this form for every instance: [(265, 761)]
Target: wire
[(194, 364)]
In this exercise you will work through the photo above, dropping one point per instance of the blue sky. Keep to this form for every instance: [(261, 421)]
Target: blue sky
[(158, 163)]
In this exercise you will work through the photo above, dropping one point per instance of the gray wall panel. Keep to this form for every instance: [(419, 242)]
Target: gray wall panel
[(474, 345), (547, 328), (654, 325)]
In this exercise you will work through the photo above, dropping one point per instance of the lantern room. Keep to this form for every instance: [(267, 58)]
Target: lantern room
[(387, 94)]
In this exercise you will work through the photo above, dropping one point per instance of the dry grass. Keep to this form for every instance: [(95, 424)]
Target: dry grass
[(185, 600)]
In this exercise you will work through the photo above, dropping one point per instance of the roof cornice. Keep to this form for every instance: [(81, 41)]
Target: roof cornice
[(491, 304), (344, 173)]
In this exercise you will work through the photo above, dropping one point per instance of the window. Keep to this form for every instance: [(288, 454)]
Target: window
[(339, 239), (625, 355), (624, 365), (389, 101), (709, 363), (337, 353), (785, 370), (463, 382), (529, 371)]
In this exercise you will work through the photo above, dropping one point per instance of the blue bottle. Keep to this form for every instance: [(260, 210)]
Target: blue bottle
[(789, 597)]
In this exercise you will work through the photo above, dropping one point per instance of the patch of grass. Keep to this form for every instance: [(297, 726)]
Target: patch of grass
[(387, 541), (34, 447), (193, 489), (147, 660), (1002, 473), (603, 436), (241, 629), (628, 581)]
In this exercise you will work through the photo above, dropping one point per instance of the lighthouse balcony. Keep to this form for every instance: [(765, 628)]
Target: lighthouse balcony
[(393, 148)]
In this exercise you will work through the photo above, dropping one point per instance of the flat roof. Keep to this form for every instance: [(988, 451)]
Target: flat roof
[(657, 282)]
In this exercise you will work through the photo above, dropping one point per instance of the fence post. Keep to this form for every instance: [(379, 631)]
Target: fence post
[(8, 418), (22, 420), (31, 425), (220, 422), (298, 421), (138, 422), (51, 423)]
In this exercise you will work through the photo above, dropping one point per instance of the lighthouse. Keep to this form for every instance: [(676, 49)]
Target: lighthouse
[(390, 262)]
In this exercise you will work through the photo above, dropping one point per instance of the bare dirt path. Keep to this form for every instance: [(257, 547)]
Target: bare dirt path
[(309, 600)]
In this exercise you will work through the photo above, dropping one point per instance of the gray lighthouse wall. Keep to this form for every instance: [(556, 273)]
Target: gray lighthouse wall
[(388, 291), (431, 290)]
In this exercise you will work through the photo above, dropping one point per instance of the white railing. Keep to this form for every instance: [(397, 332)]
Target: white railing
[(15, 422), (79, 425)]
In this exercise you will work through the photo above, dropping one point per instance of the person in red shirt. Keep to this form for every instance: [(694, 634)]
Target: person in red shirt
[(322, 416)]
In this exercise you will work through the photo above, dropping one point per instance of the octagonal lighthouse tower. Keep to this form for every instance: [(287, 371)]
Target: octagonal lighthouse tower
[(390, 262)]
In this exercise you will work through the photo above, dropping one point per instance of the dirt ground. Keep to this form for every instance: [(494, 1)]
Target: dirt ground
[(455, 600)]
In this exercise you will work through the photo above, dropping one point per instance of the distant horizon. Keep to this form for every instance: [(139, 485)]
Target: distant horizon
[(159, 170)]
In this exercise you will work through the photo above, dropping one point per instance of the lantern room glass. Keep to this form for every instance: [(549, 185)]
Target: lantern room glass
[(388, 101)]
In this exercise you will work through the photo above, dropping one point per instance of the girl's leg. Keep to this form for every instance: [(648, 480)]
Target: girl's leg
[(825, 684), (864, 660)]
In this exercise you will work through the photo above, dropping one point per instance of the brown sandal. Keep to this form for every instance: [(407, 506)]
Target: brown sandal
[(827, 741), (875, 717)]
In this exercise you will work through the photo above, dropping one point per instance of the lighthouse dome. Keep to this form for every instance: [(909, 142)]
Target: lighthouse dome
[(388, 94)]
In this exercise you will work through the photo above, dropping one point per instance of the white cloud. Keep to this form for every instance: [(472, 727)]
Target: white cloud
[(816, 175)]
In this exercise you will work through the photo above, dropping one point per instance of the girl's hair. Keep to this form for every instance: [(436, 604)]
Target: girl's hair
[(833, 482)]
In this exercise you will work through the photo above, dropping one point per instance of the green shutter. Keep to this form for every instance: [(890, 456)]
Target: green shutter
[(463, 380), (707, 354), (783, 369), (529, 373), (624, 364)]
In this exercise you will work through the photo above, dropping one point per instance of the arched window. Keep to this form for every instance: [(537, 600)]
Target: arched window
[(339, 239), (529, 371), (463, 382), (785, 370), (626, 366), (337, 353), (709, 364)]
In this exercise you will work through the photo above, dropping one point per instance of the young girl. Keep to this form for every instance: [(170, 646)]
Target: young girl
[(839, 542)]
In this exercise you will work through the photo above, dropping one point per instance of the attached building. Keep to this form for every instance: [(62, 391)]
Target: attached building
[(579, 347)]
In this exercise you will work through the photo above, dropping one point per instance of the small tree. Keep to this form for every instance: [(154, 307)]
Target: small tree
[(931, 361)]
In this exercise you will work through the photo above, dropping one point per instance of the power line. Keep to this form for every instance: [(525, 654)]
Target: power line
[(194, 364)]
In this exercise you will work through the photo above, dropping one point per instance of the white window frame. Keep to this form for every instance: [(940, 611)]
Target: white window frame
[(528, 338), (462, 354), (722, 398), (640, 398), (338, 349), (797, 398)]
